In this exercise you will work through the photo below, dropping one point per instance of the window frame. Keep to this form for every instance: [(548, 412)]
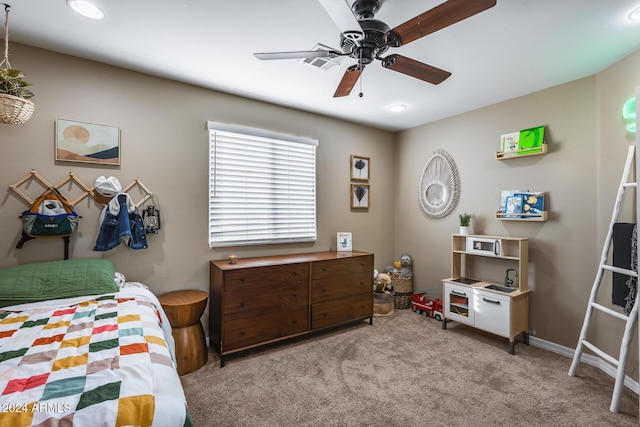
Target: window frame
[(299, 224)]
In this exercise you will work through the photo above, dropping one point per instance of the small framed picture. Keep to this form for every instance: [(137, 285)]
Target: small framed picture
[(513, 207), (359, 196), (360, 167), (87, 142), (345, 242)]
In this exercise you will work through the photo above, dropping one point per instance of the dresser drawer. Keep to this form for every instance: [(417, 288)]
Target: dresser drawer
[(251, 278), (342, 310), (254, 330), (264, 290), (341, 286), (328, 269), (265, 298), (340, 278)]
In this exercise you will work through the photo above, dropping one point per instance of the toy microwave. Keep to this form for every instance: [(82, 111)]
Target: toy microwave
[(484, 246)]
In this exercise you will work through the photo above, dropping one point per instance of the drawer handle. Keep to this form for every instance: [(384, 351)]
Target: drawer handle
[(460, 294), (490, 300)]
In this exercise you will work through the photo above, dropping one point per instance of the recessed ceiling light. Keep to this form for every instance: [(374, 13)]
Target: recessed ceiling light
[(86, 9), (635, 14), (396, 108)]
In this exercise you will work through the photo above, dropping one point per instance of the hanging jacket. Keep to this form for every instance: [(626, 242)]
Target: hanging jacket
[(120, 222)]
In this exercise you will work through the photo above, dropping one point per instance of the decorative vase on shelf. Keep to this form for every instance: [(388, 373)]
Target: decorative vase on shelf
[(465, 231)]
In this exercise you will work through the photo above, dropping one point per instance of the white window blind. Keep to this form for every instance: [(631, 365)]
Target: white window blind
[(262, 187)]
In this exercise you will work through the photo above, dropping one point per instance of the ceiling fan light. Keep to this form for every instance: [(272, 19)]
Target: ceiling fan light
[(397, 108), (86, 9)]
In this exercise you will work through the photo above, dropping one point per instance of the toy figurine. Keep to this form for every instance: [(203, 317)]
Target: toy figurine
[(406, 269)]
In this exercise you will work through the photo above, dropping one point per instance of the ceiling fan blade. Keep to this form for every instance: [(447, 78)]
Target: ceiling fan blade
[(439, 17), (416, 69), (298, 54), (340, 13), (348, 81)]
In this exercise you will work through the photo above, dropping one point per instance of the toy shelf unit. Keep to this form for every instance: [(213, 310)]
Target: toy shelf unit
[(523, 152), (490, 306)]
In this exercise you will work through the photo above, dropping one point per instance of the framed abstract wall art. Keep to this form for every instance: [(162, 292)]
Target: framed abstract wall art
[(87, 142), (359, 168), (359, 196)]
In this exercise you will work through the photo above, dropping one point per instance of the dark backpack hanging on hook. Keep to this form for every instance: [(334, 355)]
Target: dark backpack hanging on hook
[(50, 215)]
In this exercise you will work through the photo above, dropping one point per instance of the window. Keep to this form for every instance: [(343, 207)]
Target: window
[(262, 187)]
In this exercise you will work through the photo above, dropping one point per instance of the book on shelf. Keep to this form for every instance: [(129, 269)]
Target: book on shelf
[(531, 140), (532, 203), (523, 142), (529, 203), (513, 206), (509, 143), (507, 193)]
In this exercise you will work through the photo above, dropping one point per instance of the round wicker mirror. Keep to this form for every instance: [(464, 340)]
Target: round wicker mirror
[(439, 186)]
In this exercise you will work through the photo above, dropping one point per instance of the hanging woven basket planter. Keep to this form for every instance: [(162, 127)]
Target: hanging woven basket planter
[(14, 110), (15, 107)]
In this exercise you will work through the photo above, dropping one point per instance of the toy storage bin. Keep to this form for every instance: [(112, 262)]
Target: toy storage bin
[(403, 288), (383, 304), (402, 301)]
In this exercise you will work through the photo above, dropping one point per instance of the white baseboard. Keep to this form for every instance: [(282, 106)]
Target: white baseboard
[(585, 358)]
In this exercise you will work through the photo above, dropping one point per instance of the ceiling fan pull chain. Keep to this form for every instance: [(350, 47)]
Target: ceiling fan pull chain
[(5, 61), (361, 76)]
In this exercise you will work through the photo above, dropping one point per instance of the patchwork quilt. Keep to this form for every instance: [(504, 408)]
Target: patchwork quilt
[(93, 361)]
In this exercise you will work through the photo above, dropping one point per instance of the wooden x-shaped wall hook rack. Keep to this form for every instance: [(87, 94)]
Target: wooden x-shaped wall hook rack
[(87, 191)]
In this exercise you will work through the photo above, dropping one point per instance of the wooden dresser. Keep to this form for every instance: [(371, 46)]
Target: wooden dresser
[(262, 300)]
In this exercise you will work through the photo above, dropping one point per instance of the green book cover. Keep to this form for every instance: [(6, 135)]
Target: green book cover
[(531, 140)]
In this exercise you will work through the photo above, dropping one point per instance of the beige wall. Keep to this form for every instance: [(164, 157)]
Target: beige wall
[(588, 145), (165, 144)]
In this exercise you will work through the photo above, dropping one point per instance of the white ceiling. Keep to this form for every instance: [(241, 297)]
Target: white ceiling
[(514, 48)]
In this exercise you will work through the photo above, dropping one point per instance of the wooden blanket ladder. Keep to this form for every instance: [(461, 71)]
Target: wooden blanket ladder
[(631, 319)]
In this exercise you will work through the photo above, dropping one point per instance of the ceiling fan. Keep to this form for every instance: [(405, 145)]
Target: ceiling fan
[(366, 39)]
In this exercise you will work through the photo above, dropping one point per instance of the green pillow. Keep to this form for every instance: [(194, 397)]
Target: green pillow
[(57, 279)]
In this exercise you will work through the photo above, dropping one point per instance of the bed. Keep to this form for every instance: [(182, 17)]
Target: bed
[(81, 346)]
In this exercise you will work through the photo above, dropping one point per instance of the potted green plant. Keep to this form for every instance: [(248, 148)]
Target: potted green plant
[(465, 223), (15, 107), (12, 83)]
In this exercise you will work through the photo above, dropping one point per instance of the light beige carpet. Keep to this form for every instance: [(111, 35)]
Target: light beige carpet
[(402, 371)]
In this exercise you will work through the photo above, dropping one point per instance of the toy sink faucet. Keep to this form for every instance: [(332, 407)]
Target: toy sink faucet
[(507, 280)]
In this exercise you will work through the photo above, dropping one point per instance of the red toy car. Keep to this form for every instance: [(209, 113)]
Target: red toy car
[(427, 307)]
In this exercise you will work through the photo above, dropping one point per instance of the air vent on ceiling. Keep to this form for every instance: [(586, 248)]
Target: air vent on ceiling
[(324, 63)]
